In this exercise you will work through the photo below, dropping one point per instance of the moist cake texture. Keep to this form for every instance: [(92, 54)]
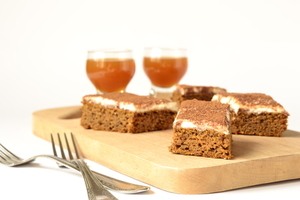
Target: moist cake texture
[(202, 128), (188, 92), (127, 113), (254, 114)]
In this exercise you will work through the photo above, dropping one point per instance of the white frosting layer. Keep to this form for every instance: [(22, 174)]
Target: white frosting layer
[(204, 126), (173, 106), (235, 105), (227, 100)]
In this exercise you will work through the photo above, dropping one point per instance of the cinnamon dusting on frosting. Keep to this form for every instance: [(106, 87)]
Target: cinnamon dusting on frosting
[(131, 102), (203, 115), (254, 102)]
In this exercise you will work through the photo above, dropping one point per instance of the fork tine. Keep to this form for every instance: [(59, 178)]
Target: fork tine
[(7, 157), (8, 153), (54, 150), (61, 147), (68, 147), (2, 159), (53, 146), (75, 148)]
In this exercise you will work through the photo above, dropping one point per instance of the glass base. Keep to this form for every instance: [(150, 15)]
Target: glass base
[(100, 92), (165, 93)]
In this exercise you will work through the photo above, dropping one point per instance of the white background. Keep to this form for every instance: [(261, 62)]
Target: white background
[(243, 46)]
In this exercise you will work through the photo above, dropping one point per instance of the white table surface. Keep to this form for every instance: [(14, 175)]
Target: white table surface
[(243, 46)]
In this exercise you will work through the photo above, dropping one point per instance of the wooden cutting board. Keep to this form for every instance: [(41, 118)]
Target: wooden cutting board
[(145, 156)]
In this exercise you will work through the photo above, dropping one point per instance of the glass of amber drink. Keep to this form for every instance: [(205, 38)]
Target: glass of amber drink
[(110, 70), (164, 67)]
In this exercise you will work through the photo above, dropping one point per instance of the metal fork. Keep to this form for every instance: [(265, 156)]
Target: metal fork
[(95, 189), (62, 150), (11, 160)]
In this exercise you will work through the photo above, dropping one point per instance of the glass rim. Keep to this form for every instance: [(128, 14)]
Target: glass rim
[(165, 51), (109, 53), (167, 48), (110, 50)]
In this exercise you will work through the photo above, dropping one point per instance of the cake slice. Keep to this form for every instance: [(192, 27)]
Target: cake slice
[(127, 113), (202, 128), (254, 114), (187, 92)]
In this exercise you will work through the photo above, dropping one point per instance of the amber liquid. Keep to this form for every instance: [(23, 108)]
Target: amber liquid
[(165, 71), (110, 75)]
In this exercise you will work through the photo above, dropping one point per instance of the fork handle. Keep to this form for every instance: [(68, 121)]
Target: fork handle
[(95, 191), (107, 182), (118, 185)]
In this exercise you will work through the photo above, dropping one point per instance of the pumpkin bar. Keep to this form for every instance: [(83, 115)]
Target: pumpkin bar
[(254, 114), (202, 128), (127, 113), (188, 92)]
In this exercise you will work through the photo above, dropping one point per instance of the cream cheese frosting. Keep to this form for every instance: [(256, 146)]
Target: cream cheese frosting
[(203, 115), (135, 103), (204, 126), (257, 103)]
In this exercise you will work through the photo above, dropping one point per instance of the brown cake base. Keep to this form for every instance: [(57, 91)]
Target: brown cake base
[(262, 124), (207, 143), (97, 117)]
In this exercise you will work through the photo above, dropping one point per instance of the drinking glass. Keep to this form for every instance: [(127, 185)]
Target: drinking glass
[(110, 70), (164, 67)]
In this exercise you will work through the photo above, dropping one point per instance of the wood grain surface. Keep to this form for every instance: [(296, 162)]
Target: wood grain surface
[(145, 156)]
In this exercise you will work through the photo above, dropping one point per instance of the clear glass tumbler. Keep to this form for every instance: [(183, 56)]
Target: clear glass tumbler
[(110, 70), (164, 67)]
